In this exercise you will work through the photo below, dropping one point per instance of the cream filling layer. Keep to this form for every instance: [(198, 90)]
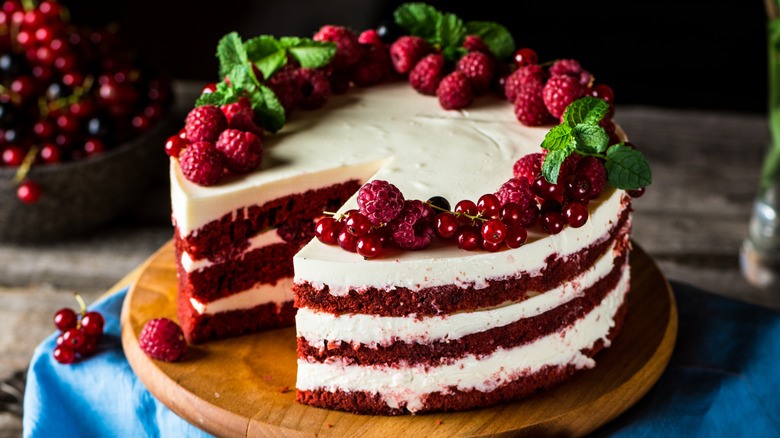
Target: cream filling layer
[(259, 294), (259, 240), (409, 386), (318, 327)]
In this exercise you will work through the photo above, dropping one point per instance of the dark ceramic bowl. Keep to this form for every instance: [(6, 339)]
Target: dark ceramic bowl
[(78, 196)]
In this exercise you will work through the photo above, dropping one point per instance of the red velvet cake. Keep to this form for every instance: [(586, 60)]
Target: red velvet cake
[(410, 306)]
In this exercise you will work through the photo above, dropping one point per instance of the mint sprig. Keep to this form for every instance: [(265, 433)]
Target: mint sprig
[(447, 32), (580, 133), (237, 62)]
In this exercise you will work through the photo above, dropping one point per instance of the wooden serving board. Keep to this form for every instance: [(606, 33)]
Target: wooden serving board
[(245, 386)]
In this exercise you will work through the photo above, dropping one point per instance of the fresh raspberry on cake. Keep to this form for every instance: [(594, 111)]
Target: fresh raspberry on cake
[(478, 68), (284, 84), (454, 91), (240, 116), (527, 76), (406, 51), (373, 67), (530, 108), (370, 36), (473, 43), (205, 123), (348, 49), (380, 201), (610, 129), (314, 86), (560, 91), (413, 228), (162, 339), (528, 167), (426, 74), (242, 151), (571, 67), (202, 163), (518, 191), (594, 170)]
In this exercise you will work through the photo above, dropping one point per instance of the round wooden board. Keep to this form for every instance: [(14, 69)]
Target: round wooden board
[(245, 386)]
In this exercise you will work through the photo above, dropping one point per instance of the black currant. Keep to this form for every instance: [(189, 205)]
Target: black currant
[(441, 202)]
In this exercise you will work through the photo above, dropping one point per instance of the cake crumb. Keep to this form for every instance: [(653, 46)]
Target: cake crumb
[(284, 389)]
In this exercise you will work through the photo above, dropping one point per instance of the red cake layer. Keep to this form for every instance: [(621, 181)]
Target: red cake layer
[(262, 265), (222, 237), (447, 299), (362, 402), (442, 352)]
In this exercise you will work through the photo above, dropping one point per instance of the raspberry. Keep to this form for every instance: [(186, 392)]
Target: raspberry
[(474, 43), (518, 191), (454, 91), (202, 163), (242, 151), (594, 170), (568, 167), (370, 36), (373, 67), (530, 109), (528, 167), (284, 84), (559, 92), (314, 86), (348, 49), (406, 51), (339, 81), (426, 74), (479, 68), (205, 123), (413, 228), (526, 76), (162, 339), (240, 116), (570, 67), (380, 201)]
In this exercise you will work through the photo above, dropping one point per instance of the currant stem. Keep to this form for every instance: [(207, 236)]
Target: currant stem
[(27, 163), (82, 304), (458, 213)]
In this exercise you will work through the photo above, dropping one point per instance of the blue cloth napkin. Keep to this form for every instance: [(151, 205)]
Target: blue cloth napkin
[(723, 381)]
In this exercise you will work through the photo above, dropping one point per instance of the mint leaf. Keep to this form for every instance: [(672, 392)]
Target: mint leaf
[(418, 19), (268, 109), (627, 168), (231, 53), (310, 53), (551, 166), (557, 138), (450, 31), (590, 139), (495, 36), (587, 110), (261, 47), (453, 54), (243, 78), (215, 98)]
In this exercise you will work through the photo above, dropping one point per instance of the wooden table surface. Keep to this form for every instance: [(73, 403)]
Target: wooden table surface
[(692, 221)]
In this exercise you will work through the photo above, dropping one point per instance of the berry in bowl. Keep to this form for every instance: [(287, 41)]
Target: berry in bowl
[(80, 115)]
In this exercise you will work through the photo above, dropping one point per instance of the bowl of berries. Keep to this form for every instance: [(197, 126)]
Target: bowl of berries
[(81, 120)]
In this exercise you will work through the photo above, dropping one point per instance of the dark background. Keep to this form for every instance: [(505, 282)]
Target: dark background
[(685, 54)]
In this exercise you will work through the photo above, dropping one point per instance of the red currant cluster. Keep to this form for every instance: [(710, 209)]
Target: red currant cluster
[(79, 333), (353, 232), (67, 92)]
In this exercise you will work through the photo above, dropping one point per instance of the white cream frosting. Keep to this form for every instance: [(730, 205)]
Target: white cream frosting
[(262, 293), (259, 240), (409, 385), (318, 327)]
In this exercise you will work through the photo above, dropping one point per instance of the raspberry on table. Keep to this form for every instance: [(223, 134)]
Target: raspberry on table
[(315, 88), (205, 123), (528, 167), (560, 91), (478, 68), (162, 339), (413, 227), (406, 51), (372, 68), (380, 201), (426, 74), (348, 49), (454, 91), (530, 108), (202, 164), (242, 151), (527, 76)]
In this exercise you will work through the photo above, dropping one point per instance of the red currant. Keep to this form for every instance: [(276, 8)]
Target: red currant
[(516, 237), (576, 214), (469, 238), (384, 234), (492, 246), (13, 156), (552, 222), (209, 88), (466, 208), (369, 246), (174, 145), (636, 193), (357, 224), (92, 324), (603, 91), (488, 206), (88, 347), (511, 214), (93, 146), (64, 354), (74, 338), (23, 86), (327, 230), (550, 205), (43, 129), (545, 189), (493, 231), (446, 225), (525, 56), (28, 192), (50, 154), (577, 187), (68, 122), (347, 240), (65, 319)]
